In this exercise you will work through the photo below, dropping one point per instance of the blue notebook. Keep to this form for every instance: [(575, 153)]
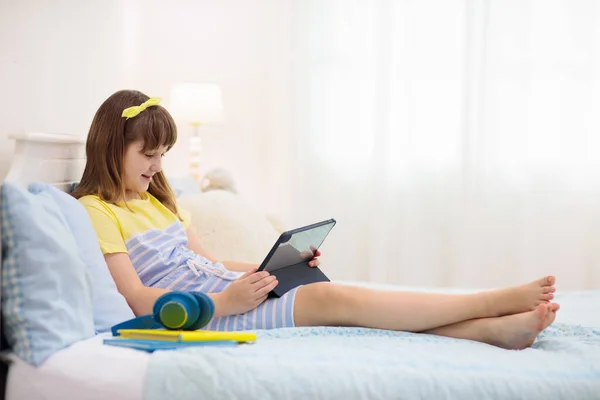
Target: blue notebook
[(152, 345)]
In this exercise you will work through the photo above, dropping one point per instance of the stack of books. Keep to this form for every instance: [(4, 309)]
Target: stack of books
[(161, 339)]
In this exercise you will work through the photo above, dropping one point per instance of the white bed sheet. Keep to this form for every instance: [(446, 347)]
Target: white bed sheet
[(87, 370)]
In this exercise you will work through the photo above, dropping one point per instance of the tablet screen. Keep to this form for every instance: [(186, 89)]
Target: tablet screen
[(299, 246)]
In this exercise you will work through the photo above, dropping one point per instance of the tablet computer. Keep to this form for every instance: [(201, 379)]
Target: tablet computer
[(289, 256)]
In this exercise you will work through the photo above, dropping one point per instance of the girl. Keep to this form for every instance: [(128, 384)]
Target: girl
[(151, 248)]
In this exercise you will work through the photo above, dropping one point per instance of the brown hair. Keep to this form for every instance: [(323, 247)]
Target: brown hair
[(110, 135)]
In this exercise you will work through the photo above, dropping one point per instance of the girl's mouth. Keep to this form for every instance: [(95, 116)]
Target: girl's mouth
[(148, 178)]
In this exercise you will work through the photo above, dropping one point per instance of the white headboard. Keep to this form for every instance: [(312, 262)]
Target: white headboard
[(42, 157)]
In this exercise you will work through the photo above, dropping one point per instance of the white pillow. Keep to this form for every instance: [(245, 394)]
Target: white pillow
[(229, 227)]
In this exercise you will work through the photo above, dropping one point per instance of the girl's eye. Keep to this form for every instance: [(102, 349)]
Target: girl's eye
[(153, 155)]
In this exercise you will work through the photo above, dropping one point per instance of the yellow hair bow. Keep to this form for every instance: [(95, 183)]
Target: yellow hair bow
[(135, 110)]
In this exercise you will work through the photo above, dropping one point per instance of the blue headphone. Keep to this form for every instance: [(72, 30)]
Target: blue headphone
[(174, 310)]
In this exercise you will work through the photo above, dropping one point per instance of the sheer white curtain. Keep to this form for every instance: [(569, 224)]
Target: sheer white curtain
[(457, 143)]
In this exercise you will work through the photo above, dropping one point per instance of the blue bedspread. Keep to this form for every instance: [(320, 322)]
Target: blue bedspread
[(358, 363)]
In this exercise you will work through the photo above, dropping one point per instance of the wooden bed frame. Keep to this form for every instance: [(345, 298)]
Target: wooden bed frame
[(41, 157)]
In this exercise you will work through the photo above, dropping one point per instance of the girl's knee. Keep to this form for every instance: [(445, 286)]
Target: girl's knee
[(328, 297), (316, 304)]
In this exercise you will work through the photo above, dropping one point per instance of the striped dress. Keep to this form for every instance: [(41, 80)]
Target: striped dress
[(156, 241)]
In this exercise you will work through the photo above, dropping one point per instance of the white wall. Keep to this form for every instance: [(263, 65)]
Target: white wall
[(230, 42), (61, 59)]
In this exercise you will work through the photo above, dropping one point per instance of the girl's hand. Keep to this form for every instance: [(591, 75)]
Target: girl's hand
[(315, 261), (247, 292)]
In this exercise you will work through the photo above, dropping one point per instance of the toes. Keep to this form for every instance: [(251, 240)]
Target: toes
[(547, 296), (540, 311), (549, 319), (554, 307), (549, 289), (546, 281), (547, 311)]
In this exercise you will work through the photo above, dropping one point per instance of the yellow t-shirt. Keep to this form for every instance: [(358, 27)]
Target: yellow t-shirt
[(152, 235), (116, 225)]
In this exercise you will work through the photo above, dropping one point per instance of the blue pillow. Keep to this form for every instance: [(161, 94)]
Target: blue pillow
[(110, 307), (46, 289)]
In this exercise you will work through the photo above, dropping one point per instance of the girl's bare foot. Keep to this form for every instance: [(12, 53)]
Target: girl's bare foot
[(518, 331), (518, 299)]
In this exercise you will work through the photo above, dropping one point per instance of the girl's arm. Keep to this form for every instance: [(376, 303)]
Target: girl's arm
[(238, 266), (140, 298)]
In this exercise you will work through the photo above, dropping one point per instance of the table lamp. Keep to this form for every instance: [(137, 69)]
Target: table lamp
[(196, 104)]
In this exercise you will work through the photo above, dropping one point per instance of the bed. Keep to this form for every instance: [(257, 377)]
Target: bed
[(319, 362)]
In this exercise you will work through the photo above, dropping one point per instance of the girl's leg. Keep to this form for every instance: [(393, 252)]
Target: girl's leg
[(514, 332), (331, 304)]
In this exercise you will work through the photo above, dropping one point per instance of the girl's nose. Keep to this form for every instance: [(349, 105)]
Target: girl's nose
[(156, 166)]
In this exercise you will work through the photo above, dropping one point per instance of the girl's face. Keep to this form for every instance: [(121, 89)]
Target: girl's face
[(140, 166)]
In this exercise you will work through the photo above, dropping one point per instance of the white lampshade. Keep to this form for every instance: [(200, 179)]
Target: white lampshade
[(196, 103)]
